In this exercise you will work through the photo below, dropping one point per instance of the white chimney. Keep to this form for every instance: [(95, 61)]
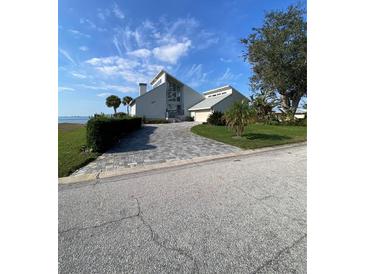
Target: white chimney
[(142, 88)]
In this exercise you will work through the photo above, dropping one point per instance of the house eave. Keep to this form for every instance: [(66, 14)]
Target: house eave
[(195, 109)]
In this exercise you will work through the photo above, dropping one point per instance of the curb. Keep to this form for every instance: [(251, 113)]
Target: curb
[(126, 171)]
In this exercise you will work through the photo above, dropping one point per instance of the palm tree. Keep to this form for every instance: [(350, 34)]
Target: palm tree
[(239, 116), (264, 103), (113, 101), (126, 101)]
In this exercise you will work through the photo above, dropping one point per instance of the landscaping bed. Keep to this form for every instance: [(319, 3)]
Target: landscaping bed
[(255, 135)]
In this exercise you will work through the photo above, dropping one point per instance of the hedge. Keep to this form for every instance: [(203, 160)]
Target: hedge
[(154, 121), (102, 132), (216, 119)]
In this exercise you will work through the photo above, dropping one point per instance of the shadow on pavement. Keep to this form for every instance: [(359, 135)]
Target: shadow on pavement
[(135, 141)]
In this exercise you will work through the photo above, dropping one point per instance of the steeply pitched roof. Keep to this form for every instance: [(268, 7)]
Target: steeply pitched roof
[(134, 100), (217, 89), (209, 102), (168, 75)]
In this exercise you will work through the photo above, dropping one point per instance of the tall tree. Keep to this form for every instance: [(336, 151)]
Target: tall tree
[(113, 101), (277, 52), (126, 101)]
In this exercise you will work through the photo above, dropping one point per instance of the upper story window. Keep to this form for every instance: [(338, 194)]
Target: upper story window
[(157, 83)]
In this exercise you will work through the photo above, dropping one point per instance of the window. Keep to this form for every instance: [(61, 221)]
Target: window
[(157, 83)]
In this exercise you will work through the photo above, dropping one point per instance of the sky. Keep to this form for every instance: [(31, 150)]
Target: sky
[(108, 47)]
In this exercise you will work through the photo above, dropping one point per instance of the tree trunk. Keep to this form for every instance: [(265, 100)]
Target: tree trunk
[(295, 103), (285, 103), (115, 110)]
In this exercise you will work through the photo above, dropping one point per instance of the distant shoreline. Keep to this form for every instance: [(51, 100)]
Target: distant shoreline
[(73, 119)]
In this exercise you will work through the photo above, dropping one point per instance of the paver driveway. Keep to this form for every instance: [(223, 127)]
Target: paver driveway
[(157, 144)]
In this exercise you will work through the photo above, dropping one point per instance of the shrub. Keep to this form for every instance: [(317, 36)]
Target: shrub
[(102, 131), (120, 114), (154, 121), (188, 118), (216, 118), (295, 122), (239, 115)]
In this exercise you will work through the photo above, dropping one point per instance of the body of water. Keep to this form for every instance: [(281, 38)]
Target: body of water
[(73, 119)]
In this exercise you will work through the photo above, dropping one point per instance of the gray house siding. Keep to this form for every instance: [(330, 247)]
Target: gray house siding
[(223, 105), (191, 98), (151, 104)]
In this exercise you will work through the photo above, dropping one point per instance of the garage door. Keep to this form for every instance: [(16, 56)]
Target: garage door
[(202, 116)]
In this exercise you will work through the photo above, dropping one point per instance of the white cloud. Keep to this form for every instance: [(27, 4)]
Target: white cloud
[(78, 33), (103, 14), (206, 39), (195, 75), (91, 24), (129, 39), (78, 75), (83, 48), (67, 56), (171, 53), (117, 46), (107, 87), (65, 89), (225, 60), (109, 70), (130, 69), (141, 53), (117, 12), (186, 24), (228, 77), (104, 94), (113, 61)]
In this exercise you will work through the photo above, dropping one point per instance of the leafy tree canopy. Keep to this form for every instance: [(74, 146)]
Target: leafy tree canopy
[(126, 101), (277, 52), (113, 101)]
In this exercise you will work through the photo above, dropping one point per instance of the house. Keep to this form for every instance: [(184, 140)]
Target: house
[(299, 114), (218, 99), (171, 98)]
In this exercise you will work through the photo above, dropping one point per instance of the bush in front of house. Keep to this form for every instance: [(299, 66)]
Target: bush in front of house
[(188, 119), (102, 131), (239, 115), (120, 114), (216, 119), (154, 121)]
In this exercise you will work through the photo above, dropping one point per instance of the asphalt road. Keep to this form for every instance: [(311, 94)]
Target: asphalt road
[(243, 215)]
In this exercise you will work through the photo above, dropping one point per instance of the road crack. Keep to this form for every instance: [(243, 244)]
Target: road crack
[(298, 220), (278, 254), (155, 238), (153, 235), (98, 225)]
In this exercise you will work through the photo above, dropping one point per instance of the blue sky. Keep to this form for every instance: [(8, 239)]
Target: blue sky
[(108, 47)]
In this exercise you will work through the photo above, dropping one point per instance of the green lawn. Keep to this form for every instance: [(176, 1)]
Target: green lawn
[(255, 135), (71, 138)]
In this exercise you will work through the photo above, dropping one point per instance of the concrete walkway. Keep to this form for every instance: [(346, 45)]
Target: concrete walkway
[(154, 144)]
